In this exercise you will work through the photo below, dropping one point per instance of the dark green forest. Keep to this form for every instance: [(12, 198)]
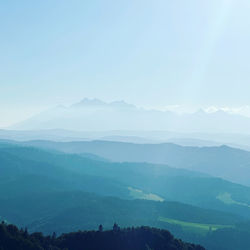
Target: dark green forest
[(142, 238)]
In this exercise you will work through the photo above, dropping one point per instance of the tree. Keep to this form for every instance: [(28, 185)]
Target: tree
[(100, 228), (54, 236), (116, 227)]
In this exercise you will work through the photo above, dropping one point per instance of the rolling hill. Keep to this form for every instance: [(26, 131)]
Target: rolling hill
[(56, 191), (22, 166), (225, 162)]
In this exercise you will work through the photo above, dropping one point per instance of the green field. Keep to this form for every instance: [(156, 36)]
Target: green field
[(194, 227)]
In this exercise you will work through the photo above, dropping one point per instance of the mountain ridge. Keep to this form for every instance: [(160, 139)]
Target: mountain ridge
[(94, 114), (222, 161)]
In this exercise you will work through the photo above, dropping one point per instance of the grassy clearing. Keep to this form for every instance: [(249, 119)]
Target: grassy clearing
[(139, 194), (194, 227), (227, 199)]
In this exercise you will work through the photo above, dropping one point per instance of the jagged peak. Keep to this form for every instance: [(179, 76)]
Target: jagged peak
[(98, 102)]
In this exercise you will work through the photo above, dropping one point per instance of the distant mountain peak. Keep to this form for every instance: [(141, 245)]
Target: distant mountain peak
[(90, 102), (97, 102)]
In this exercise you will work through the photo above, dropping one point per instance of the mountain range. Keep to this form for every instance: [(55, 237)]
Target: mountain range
[(96, 115)]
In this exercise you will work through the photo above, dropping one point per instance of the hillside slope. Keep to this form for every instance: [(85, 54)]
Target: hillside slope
[(224, 162), (29, 170)]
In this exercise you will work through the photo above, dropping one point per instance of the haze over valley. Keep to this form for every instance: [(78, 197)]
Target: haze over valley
[(124, 125)]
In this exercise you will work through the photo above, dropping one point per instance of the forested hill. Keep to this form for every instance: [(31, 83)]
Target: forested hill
[(133, 239)]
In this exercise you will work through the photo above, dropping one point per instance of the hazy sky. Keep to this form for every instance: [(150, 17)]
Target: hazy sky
[(150, 53)]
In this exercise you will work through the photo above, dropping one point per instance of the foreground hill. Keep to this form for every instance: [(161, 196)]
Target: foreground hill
[(138, 239), (61, 212)]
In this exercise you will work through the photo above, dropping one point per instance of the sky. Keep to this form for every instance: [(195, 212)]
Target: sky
[(158, 53)]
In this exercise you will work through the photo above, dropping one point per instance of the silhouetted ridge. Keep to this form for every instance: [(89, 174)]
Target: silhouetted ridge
[(131, 238)]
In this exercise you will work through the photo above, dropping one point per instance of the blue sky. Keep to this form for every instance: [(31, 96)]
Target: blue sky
[(150, 53)]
